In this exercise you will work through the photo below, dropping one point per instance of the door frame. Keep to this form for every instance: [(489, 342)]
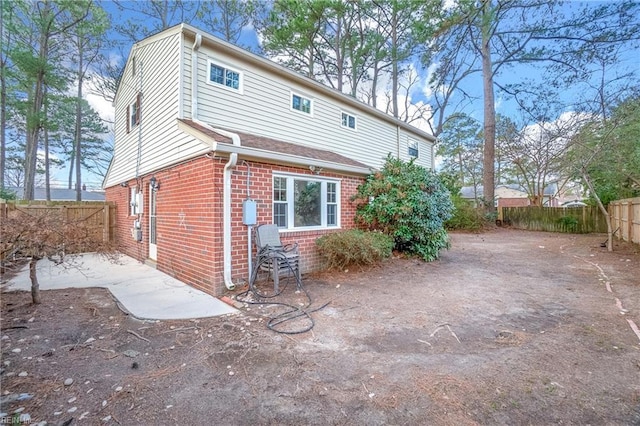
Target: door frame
[(153, 223)]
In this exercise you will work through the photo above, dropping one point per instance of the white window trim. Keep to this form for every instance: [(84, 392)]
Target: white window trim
[(355, 121), (323, 201), (133, 105), (410, 142), (297, 111), (220, 64)]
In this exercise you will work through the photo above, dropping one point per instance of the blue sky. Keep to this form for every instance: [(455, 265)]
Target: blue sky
[(473, 85)]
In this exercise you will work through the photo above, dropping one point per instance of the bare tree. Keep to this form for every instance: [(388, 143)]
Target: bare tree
[(36, 234)]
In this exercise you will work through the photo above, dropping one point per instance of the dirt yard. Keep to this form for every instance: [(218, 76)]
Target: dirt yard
[(509, 327)]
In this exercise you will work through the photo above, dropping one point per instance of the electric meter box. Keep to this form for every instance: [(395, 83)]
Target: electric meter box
[(249, 212)]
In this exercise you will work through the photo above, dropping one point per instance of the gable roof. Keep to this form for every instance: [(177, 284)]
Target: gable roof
[(273, 150), (59, 194)]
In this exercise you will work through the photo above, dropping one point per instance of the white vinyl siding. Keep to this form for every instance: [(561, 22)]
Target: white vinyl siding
[(265, 110), (305, 202), (161, 142), (408, 143)]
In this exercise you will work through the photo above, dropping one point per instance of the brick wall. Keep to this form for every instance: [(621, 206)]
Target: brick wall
[(189, 220)]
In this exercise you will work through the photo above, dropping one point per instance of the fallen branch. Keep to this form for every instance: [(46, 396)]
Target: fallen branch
[(138, 336), (179, 329)]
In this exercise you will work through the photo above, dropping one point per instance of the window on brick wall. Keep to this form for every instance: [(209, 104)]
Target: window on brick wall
[(302, 202)]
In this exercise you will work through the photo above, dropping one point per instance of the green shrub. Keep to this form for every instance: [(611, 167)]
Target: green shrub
[(5, 194), (354, 247), (410, 204), (465, 216), (569, 223)]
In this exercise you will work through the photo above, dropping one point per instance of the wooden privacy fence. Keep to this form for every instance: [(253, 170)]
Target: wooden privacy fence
[(98, 216), (625, 219), (577, 220)]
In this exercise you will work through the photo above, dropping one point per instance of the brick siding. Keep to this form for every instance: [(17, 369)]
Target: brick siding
[(190, 215)]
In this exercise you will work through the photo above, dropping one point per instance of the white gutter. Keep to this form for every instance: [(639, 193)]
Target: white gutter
[(226, 214)]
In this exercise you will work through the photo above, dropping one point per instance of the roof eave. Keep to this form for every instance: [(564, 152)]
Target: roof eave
[(272, 156)]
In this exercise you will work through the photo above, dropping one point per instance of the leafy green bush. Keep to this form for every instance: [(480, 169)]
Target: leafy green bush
[(410, 204), (354, 247), (569, 223), (465, 216), (5, 194)]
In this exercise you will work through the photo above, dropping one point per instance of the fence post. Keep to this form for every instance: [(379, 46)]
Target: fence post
[(105, 223)]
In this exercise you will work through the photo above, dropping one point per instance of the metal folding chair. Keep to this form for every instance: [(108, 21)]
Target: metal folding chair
[(275, 258)]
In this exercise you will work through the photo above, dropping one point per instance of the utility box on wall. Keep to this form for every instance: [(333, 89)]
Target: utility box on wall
[(249, 212)]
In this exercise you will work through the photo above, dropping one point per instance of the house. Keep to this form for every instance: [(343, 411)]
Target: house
[(505, 195), (211, 140), (511, 196), (59, 194)]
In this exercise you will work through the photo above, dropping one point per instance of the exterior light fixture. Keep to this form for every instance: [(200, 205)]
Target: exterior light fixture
[(155, 185)]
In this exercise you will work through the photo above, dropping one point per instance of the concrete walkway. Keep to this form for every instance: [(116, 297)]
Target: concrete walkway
[(143, 291)]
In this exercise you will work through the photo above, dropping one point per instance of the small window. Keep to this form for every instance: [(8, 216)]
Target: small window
[(300, 103), (133, 113), (303, 201), (225, 76), (348, 121), (413, 148)]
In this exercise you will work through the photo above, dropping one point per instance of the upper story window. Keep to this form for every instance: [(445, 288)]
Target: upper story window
[(225, 76), (302, 104), (133, 113), (413, 148), (348, 121), (302, 201)]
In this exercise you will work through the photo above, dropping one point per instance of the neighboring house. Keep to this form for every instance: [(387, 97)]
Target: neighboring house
[(505, 195), (511, 196), (211, 140), (59, 194)]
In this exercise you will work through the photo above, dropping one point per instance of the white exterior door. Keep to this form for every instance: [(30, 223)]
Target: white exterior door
[(153, 248)]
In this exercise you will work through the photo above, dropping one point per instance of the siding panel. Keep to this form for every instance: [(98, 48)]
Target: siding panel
[(162, 142), (263, 109)]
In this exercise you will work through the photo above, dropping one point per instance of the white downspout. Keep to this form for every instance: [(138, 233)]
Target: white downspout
[(231, 164), (226, 213), (194, 76)]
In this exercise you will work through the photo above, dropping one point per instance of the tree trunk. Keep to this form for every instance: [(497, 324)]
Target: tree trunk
[(3, 105), (78, 138), (47, 171), (35, 286), (488, 167), (34, 120), (394, 62), (604, 211)]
